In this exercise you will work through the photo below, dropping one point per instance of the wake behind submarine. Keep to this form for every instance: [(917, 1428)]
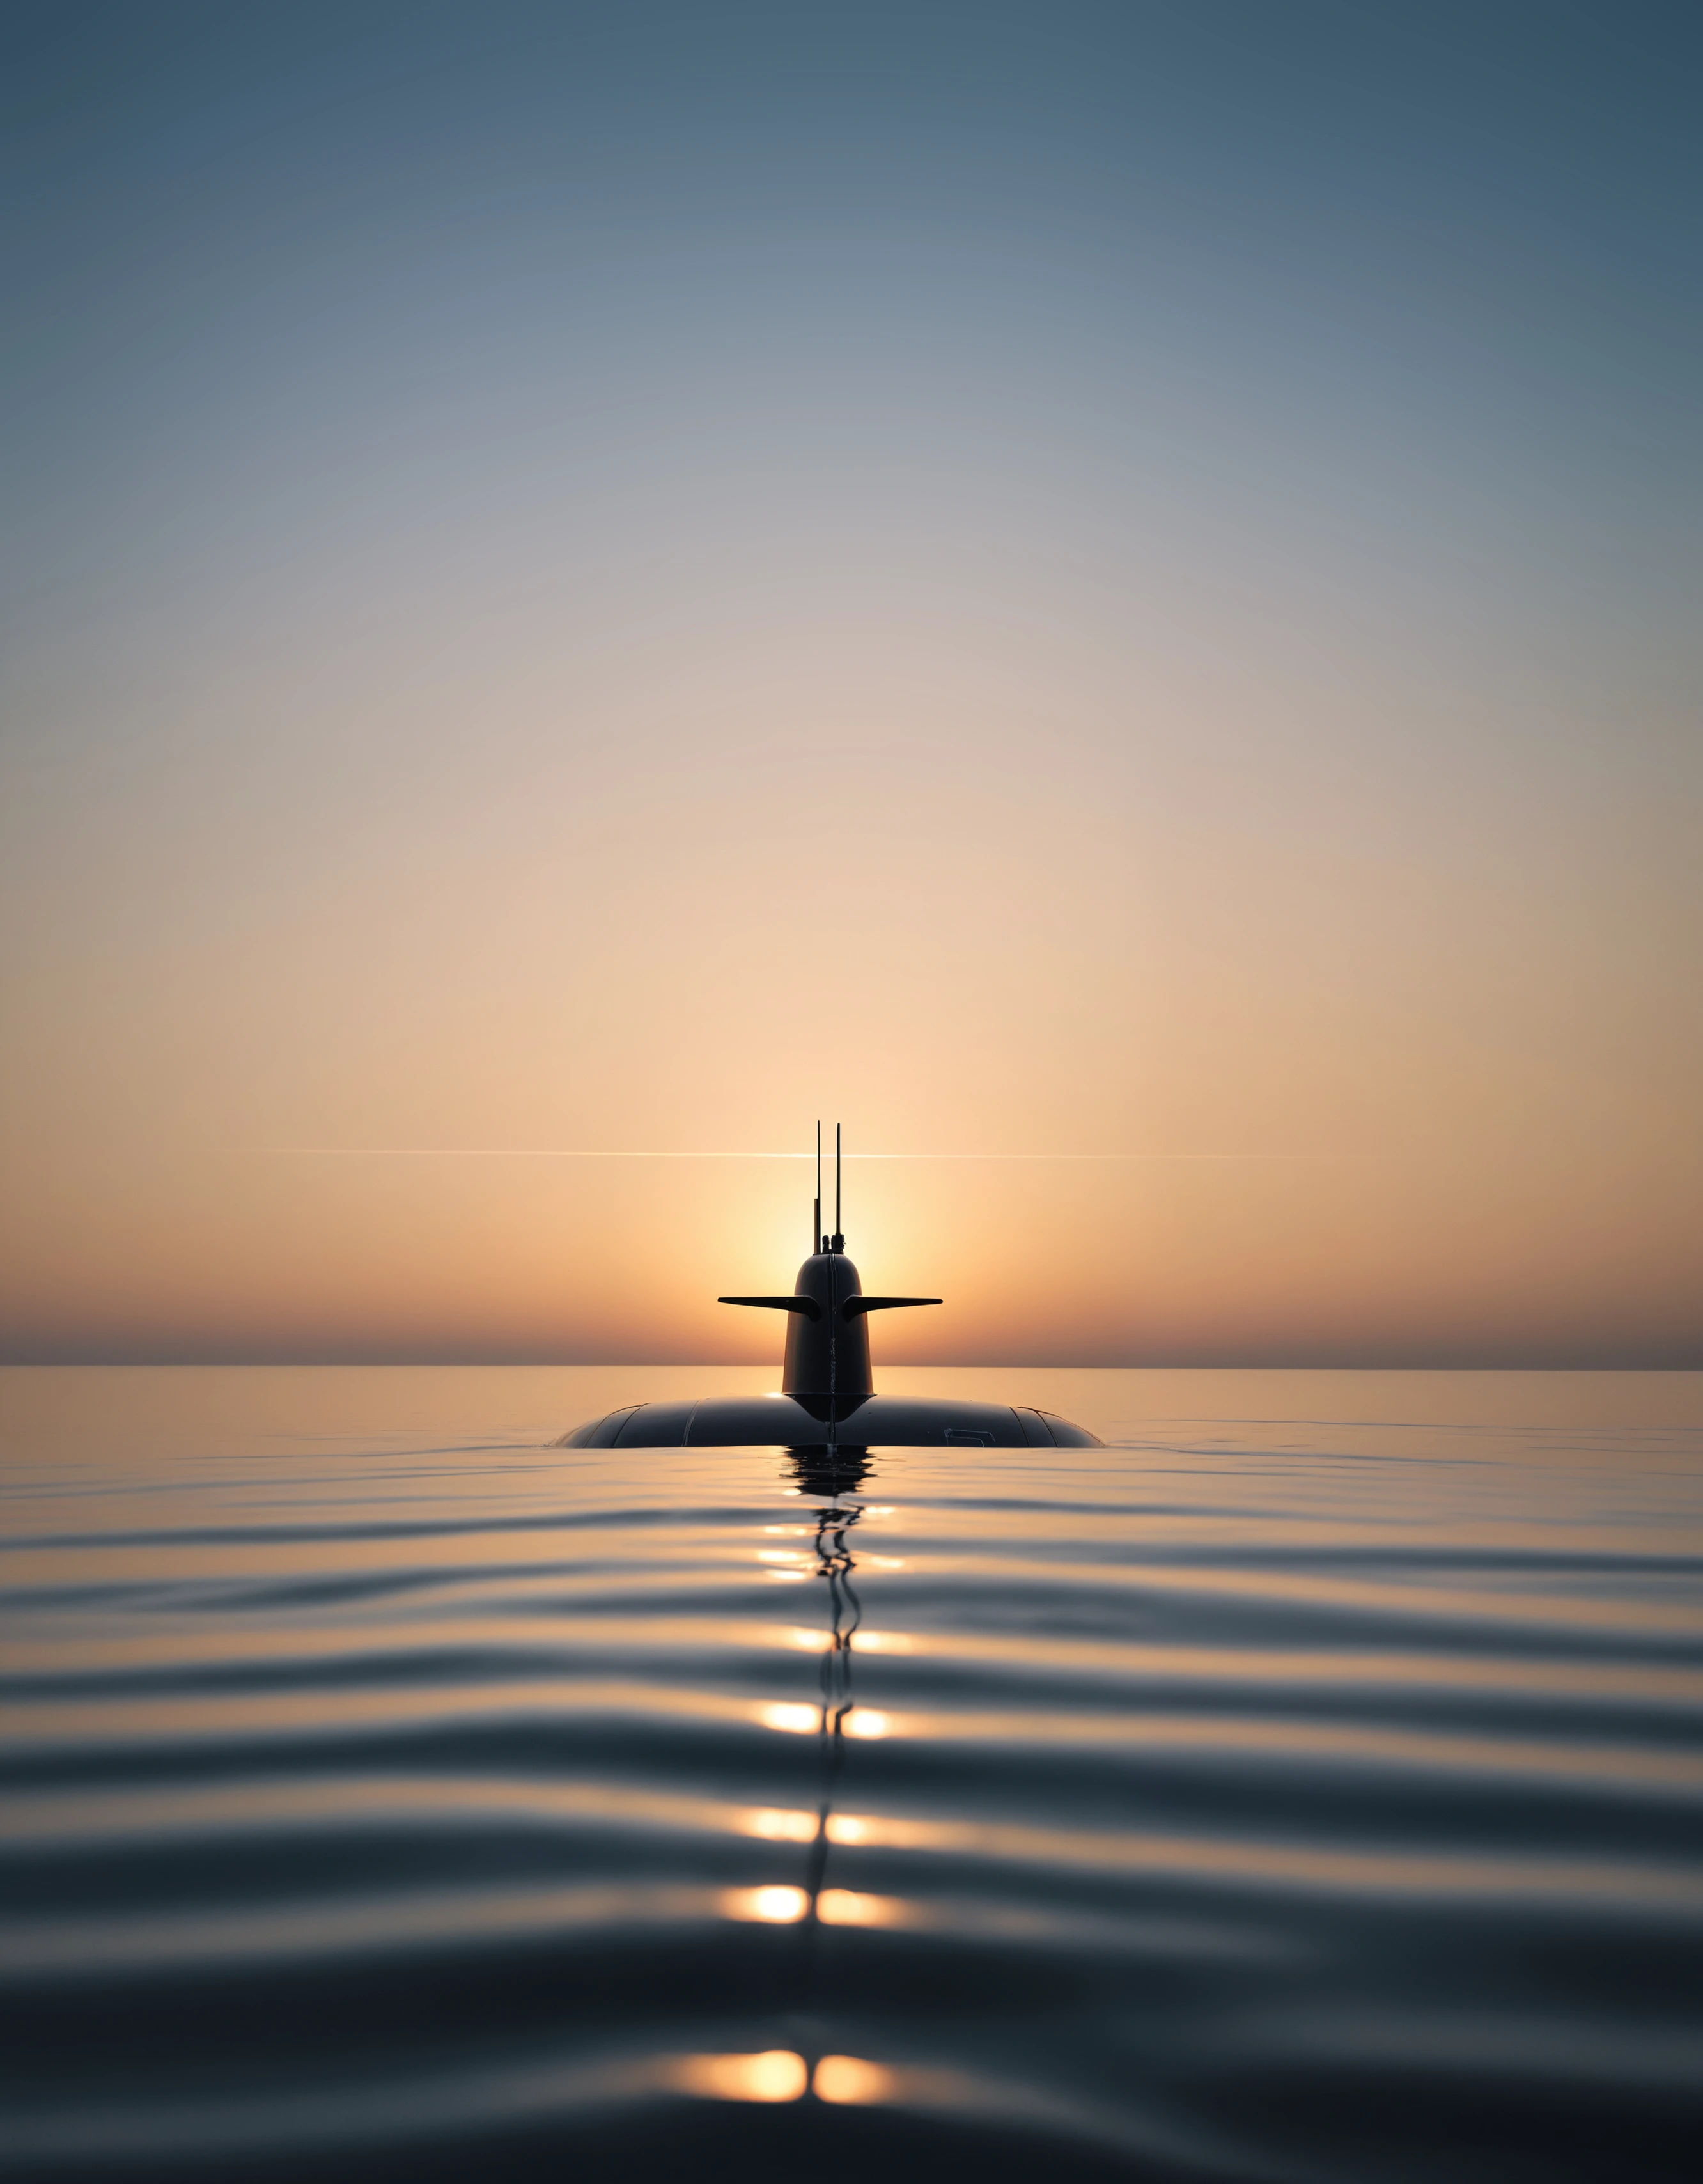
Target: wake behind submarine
[(829, 1399)]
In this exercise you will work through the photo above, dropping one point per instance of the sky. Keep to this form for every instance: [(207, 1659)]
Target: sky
[(1104, 594)]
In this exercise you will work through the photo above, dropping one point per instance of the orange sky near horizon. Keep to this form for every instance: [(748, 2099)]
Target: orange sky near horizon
[(618, 599)]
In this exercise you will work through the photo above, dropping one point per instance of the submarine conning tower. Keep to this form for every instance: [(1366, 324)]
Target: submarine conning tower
[(827, 1315), (827, 1383), (827, 1350), (828, 1328)]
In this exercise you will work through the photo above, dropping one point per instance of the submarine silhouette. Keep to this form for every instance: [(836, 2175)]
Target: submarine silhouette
[(827, 1398)]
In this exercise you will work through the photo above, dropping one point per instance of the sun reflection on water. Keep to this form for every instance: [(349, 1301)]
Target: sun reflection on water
[(779, 2075), (845, 1906), (776, 2074), (792, 1720), (771, 1824), (773, 1906), (848, 2082)]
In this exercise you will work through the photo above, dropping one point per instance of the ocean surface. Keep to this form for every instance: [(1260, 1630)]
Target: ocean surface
[(1307, 1784)]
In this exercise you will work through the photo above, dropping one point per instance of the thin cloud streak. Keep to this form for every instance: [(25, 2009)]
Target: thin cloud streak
[(552, 1152)]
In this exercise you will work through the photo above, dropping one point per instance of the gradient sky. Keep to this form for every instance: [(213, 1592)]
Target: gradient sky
[(1039, 579)]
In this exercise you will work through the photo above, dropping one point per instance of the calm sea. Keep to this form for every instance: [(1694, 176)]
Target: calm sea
[(1308, 1784)]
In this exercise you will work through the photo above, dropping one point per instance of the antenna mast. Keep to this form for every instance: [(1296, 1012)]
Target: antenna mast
[(816, 1218), (837, 1244)]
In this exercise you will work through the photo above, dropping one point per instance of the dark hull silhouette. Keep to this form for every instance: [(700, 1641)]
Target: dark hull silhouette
[(786, 1422)]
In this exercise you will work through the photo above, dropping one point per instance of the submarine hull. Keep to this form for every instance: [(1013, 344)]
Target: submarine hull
[(793, 1422)]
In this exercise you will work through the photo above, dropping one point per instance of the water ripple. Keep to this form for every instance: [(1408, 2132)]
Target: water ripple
[(1323, 1805)]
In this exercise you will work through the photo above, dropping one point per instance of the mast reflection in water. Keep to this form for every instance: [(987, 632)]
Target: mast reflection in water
[(835, 1565), (780, 2074)]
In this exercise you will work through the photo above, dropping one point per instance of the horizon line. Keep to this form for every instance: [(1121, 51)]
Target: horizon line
[(301, 1362)]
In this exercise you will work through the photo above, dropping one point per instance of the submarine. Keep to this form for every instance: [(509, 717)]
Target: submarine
[(828, 1400)]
